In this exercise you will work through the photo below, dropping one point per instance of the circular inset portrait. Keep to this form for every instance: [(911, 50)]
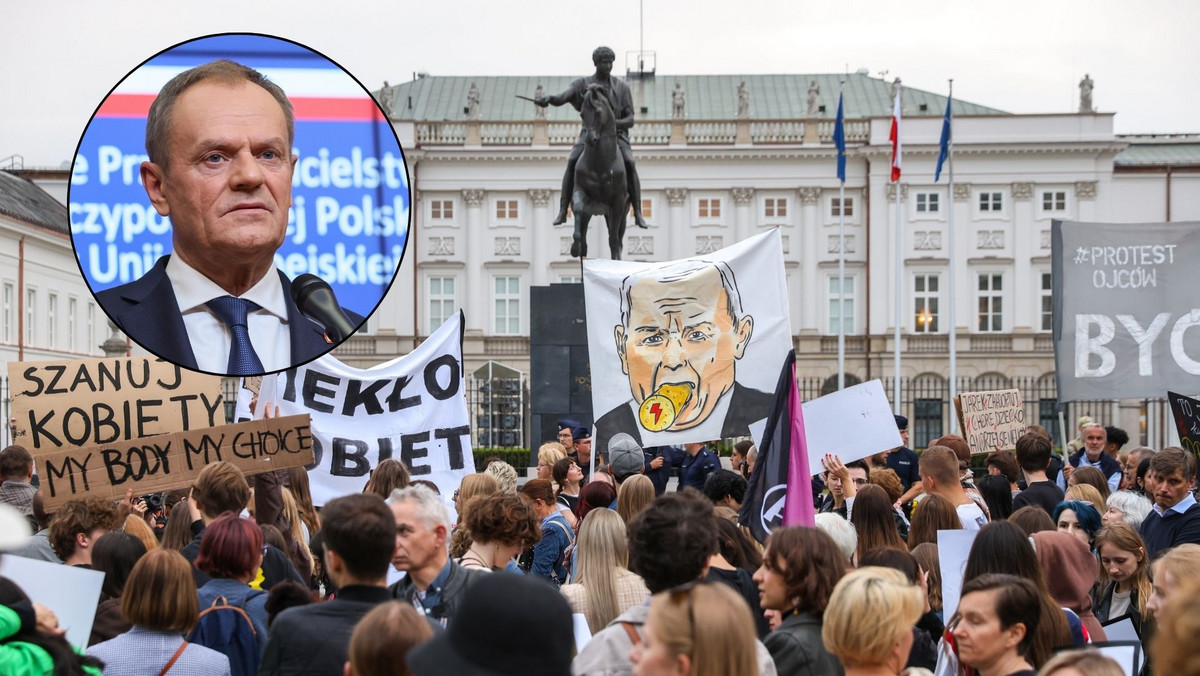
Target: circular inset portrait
[(239, 204)]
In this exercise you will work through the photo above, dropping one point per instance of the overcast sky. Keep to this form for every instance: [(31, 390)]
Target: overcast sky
[(1023, 56)]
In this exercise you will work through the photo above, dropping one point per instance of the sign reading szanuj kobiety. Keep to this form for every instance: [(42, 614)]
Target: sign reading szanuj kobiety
[(991, 421), (166, 461), (1126, 312), (687, 350), (88, 402), (412, 409)]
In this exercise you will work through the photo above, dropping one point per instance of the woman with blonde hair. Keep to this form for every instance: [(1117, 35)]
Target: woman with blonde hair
[(634, 495), (298, 551), (1172, 572), (299, 486), (1086, 493), (869, 620), (548, 454), (700, 629), (1124, 575), (472, 485), (604, 587), (1083, 661)]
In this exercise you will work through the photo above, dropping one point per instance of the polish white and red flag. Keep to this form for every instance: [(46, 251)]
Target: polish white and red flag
[(895, 138)]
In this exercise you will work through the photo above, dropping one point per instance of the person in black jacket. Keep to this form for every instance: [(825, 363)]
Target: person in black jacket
[(360, 537), (800, 568)]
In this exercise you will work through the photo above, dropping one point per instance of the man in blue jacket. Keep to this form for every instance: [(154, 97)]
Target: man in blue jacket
[(1175, 518)]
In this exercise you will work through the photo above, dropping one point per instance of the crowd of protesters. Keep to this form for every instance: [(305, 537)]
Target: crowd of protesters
[(245, 575)]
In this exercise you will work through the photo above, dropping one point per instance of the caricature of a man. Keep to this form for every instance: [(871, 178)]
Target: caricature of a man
[(682, 330)]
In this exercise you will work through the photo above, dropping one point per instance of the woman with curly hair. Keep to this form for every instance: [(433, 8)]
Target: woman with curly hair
[(473, 485), (500, 526)]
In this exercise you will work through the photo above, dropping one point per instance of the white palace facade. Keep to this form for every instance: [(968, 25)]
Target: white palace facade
[(486, 181)]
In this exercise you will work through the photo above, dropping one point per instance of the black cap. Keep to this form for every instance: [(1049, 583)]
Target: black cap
[(901, 422), (582, 433), (567, 423), (506, 624)]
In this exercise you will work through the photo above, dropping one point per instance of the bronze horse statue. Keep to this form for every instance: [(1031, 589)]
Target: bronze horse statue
[(600, 183)]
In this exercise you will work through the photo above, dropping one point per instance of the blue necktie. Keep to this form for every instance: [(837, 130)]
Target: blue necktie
[(243, 361)]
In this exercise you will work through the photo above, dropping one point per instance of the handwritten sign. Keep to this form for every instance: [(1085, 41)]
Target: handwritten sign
[(991, 421), (1186, 412), (89, 402), (166, 461)]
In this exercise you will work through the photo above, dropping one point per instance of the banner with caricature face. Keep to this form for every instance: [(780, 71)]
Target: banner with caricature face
[(689, 350)]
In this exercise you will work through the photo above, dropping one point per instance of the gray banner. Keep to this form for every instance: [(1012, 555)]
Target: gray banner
[(1126, 309)]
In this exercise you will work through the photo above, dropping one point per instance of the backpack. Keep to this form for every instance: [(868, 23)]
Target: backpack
[(228, 630)]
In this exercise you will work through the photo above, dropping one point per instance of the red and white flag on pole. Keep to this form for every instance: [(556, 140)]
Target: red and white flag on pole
[(895, 138)]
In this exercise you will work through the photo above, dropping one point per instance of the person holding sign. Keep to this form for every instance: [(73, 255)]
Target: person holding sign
[(1095, 437), (219, 137)]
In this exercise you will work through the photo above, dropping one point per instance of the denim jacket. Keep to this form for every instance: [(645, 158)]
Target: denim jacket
[(548, 552)]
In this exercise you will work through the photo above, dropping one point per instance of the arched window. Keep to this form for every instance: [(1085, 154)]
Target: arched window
[(830, 384)]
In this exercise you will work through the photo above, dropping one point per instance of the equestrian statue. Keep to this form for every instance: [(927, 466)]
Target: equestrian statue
[(601, 177)]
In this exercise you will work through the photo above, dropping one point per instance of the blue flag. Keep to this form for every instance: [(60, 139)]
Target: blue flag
[(944, 145), (839, 139)]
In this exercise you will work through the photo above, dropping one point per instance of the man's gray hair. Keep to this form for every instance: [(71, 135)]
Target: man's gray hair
[(1134, 508), (681, 271), (430, 508)]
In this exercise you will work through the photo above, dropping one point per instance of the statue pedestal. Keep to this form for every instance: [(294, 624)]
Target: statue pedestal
[(743, 131), (678, 138), (541, 133), (811, 133), (474, 135)]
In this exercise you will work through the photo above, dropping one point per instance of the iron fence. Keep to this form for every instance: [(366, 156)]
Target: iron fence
[(500, 411)]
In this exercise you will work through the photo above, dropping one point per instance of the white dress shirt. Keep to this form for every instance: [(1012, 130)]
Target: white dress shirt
[(209, 336)]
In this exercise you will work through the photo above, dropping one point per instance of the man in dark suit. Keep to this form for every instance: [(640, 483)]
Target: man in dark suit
[(219, 138), (682, 331)]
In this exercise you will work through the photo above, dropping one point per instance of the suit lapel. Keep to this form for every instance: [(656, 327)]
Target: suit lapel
[(153, 317)]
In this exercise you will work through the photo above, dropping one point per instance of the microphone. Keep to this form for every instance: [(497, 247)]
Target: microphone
[(317, 302)]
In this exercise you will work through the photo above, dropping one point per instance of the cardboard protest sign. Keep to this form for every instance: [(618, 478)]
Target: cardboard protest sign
[(686, 350), (853, 424), (991, 421), (88, 402), (72, 593), (1186, 412), (413, 409), (166, 461), (1126, 321)]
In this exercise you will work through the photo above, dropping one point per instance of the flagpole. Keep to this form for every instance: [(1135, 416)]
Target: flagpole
[(899, 281), (951, 258), (841, 269)]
